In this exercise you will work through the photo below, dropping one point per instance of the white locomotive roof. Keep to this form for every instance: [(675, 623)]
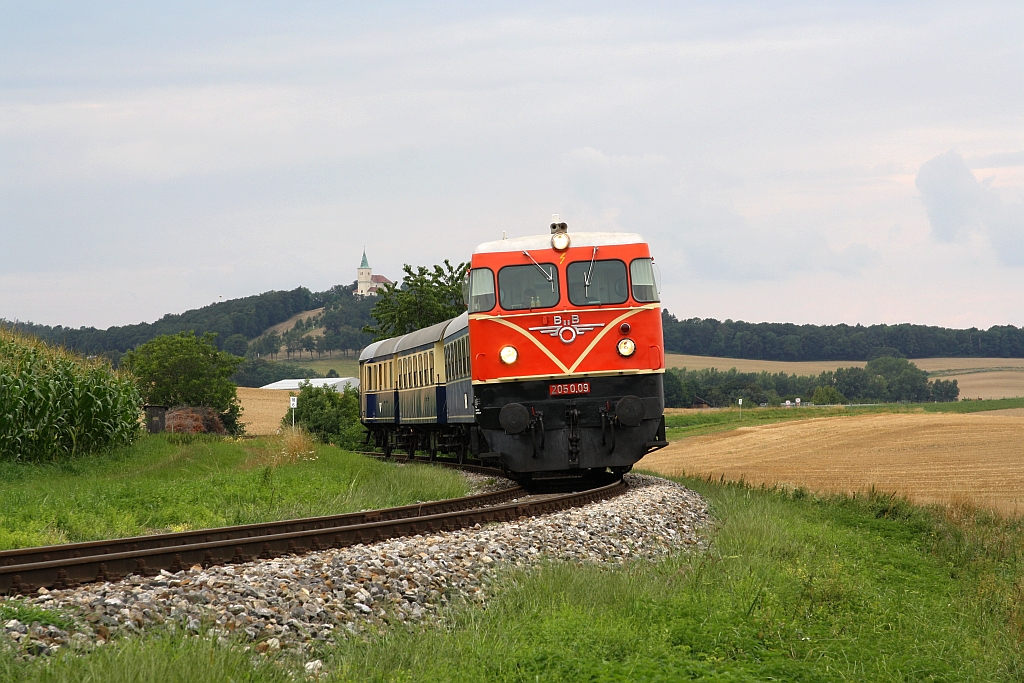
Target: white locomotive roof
[(577, 239)]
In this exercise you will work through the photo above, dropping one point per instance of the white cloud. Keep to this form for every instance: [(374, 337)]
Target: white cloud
[(960, 206)]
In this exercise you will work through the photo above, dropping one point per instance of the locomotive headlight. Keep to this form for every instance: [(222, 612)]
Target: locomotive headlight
[(626, 347), (560, 241), (508, 355)]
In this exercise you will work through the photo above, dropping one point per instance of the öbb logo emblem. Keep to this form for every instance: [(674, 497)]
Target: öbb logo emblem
[(566, 328)]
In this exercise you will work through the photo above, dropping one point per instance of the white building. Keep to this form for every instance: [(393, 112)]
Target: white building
[(366, 282), (336, 383)]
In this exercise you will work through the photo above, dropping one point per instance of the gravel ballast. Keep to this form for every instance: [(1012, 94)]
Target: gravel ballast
[(289, 602)]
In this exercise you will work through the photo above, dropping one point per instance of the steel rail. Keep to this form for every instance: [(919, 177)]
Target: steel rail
[(444, 462), (234, 545)]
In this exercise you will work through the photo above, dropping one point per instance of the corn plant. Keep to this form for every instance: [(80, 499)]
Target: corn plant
[(54, 403)]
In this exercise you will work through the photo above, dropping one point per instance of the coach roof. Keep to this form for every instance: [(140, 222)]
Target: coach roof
[(579, 239), (428, 335), (381, 349)]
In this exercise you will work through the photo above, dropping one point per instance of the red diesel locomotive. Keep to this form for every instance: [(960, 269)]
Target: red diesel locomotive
[(564, 356)]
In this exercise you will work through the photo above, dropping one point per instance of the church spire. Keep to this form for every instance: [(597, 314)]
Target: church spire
[(364, 263)]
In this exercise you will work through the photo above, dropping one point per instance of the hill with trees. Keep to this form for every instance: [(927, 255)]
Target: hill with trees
[(234, 322)]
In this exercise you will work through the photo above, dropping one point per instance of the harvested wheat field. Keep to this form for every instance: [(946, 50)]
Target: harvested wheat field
[(930, 458), (263, 409), (989, 385)]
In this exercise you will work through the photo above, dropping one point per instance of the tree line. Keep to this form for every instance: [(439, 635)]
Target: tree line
[(790, 342), (882, 380)]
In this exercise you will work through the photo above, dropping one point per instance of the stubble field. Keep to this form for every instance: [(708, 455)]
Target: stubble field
[(262, 409), (929, 458)]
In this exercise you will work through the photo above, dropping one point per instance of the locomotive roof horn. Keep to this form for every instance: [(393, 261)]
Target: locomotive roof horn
[(557, 226)]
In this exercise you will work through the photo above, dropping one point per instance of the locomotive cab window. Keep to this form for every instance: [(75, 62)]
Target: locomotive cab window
[(526, 287), (593, 283), (481, 290), (645, 280)]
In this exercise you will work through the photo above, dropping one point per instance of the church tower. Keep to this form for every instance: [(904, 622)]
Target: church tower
[(364, 276)]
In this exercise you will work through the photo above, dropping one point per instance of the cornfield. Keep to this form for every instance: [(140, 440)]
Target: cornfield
[(54, 403)]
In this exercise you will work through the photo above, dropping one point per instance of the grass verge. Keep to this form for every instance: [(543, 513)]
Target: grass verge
[(698, 422), (794, 587), (175, 483)]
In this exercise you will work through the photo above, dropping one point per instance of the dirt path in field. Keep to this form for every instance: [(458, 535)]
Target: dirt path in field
[(262, 409), (930, 458)]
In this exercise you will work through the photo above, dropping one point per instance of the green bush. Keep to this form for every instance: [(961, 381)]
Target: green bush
[(185, 370), (827, 396), (54, 403), (333, 417)]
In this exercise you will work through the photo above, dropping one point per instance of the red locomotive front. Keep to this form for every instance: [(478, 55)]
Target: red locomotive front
[(567, 350)]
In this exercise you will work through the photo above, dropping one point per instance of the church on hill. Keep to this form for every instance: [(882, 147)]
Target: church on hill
[(366, 282)]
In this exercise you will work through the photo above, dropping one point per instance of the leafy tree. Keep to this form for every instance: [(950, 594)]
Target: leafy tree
[(268, 345), (944, 390), (236, 345), (673, 390), (292, 341), (185, 370), (331, 416), (425, 297), (827, 395)]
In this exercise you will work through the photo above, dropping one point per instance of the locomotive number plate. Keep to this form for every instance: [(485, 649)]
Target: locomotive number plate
[(571, 389)]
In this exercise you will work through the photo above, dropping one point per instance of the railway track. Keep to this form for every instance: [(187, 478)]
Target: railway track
[(67, 566), (466, 467)]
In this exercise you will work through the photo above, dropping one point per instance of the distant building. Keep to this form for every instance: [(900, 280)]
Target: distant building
[(336, 383), (366, 282)]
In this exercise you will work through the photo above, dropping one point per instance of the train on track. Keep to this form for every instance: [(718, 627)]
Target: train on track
[(555, 370)]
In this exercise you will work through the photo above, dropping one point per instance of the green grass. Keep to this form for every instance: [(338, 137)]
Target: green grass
[(793, 588), (698, 422), (28, 614), (166, 658), (973, 406), (162, 484), (345, 367)]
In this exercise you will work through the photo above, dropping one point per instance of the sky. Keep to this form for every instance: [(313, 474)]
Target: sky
[(789, 162)]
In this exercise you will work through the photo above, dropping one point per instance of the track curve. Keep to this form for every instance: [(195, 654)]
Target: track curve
[(67, 566)]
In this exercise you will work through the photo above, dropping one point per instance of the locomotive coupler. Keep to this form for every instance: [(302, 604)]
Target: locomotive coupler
[(572, 421), (537, 426), (607, 426)]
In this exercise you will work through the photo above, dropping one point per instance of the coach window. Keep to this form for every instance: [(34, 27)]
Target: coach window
[(593, 283), (526, 287), (645, 280), (481, 290)]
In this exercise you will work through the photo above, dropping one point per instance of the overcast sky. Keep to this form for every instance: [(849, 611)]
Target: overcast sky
[(859, 163)]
